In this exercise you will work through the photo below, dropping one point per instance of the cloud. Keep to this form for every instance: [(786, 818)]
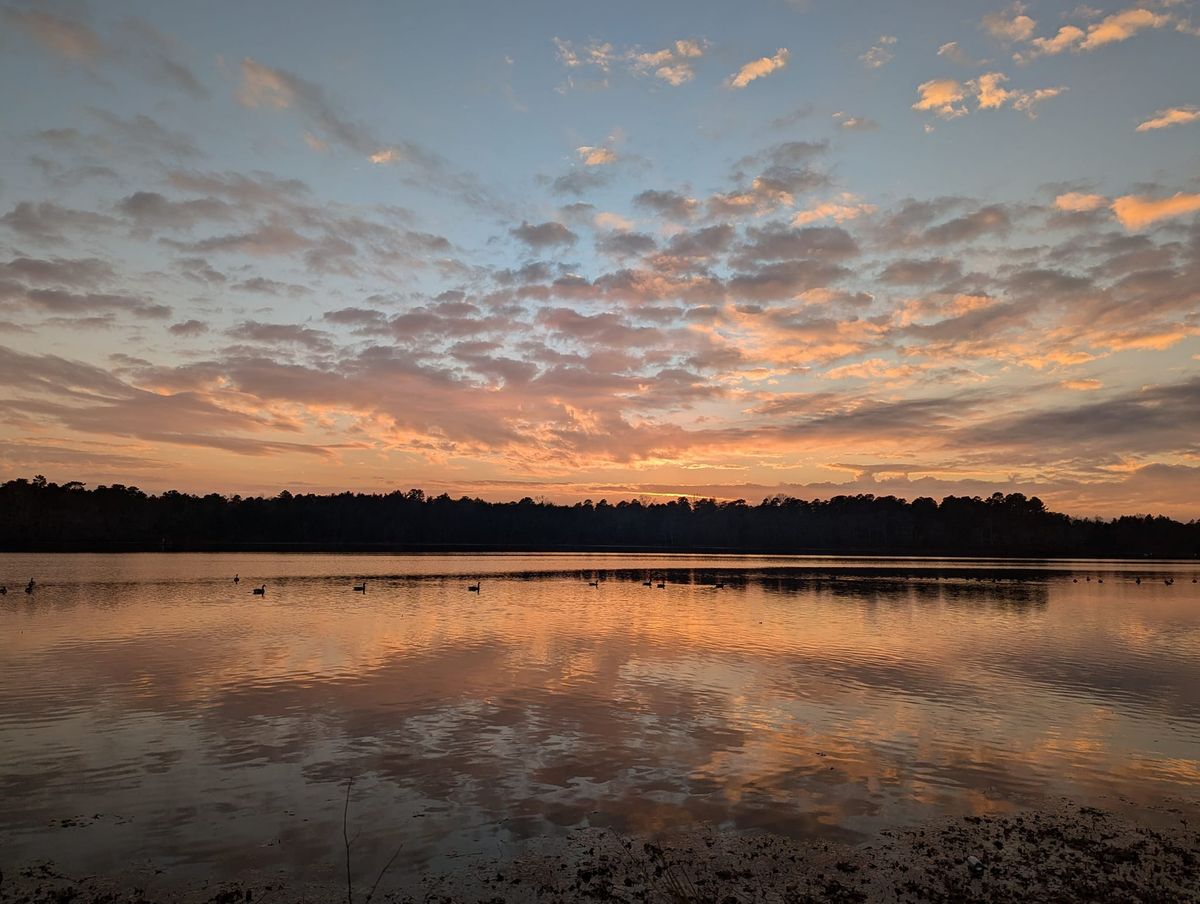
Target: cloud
[(607, 220), (989, 220), (991, 94), (264, 86), (1122, 26), (151, 210), (941, 96), (880, 54), (846, 207), (673, 64), (158, 55), (65, 303), (1136, 211), (81, 272), (70, 40), (670, 204), (1112, 29), (188, 328), (626, 244), (144, 135), (912, 271), (1067, 38), (596, 156), (1079, 202), (855, 123), (947, 97), (49, 222), (759, 68), (544, 235), (1011, 25), (955, 54), (1172, 116), (137, 45), (385, 156), (783, 171), (579, 182)]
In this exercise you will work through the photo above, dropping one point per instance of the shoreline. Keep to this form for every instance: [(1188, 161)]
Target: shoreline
[(1064, 853)]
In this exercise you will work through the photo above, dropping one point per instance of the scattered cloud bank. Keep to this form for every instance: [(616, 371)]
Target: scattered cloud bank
[(756, 320)]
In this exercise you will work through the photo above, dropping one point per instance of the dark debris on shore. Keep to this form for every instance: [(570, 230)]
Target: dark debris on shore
[(1073, 854)]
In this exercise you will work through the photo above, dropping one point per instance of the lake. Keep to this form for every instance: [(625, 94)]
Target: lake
[(152, 712)]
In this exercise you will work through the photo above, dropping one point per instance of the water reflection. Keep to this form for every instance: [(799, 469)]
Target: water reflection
[(150, 708)]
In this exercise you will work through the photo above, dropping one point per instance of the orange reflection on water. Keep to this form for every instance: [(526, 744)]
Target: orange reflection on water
[(808, 697)]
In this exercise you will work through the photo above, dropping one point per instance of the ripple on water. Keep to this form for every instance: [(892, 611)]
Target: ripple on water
[(809, 696)]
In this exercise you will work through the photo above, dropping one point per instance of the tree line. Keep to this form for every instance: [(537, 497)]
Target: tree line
[(40, 515)]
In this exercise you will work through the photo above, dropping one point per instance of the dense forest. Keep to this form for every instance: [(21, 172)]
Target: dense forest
[(39, 515)]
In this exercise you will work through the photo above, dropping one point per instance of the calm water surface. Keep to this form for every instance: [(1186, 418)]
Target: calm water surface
[(152, 712)]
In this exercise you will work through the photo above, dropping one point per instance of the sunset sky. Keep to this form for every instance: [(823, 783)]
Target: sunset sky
[(612, 249)]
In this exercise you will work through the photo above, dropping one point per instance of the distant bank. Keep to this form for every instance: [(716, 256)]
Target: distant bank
[(38, 515)]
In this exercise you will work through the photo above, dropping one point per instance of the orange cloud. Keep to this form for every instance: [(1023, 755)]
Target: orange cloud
[(759, 68), (1121, 26), (941, 96), (1173, 116), (847, 207), (596, 156), (991, 94), (1068, 37), (1136, 211), (1078, 202), (385, 156)]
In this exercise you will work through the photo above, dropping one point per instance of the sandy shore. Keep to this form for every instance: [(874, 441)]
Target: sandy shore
[(1067, 854)]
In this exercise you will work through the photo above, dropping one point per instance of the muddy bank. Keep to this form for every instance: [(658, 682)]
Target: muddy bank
[(1068, 854)]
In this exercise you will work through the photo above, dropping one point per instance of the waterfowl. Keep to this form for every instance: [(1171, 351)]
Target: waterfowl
[(360, 588), (260, 591), (3, 590), (661, 584), (720, 585), (474, 588), (29, 586), (595, 584), (651, 583), (237, 579)]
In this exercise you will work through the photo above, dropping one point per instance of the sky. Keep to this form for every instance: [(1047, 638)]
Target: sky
[(574, 250)]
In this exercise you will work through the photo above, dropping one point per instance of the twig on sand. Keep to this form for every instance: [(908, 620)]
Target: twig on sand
[(386, 867), (346, 840)]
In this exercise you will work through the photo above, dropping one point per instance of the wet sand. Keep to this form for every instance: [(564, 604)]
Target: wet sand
[(1065, 854)]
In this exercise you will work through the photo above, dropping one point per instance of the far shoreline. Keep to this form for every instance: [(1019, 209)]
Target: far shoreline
[(383, 549)]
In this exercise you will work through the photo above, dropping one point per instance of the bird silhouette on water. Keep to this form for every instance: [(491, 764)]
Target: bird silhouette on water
[(260, 591), (474, 588), (29, 586), (237, 579), (360, 588)]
